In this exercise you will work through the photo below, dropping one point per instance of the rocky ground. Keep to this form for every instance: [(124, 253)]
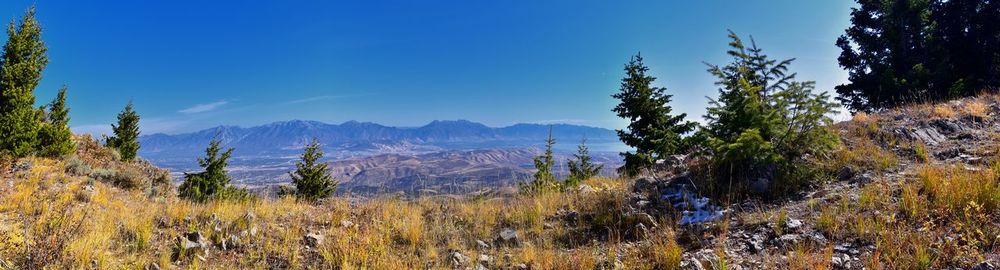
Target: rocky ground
[(850, 220)]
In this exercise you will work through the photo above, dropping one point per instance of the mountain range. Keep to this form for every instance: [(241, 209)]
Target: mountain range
[(366, 156)]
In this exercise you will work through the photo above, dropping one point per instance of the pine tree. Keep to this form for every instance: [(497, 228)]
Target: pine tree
[(55, 138), (544, 180), (213, 181), (581, 168), (312, 179), (126, 138), (21, 68), (765, 124), (652, 130), (904, 51)]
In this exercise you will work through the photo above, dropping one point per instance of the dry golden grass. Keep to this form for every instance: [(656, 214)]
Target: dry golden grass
[(943, 110), (54, 219), (975, 107)]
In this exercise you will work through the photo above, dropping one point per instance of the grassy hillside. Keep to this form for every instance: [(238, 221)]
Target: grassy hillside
[(916, 188)]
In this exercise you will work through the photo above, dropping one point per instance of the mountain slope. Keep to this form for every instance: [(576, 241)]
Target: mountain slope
[(278, 137)]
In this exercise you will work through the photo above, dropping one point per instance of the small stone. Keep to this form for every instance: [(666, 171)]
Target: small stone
[(793, 223), (458, 259), (314, 239), (642, 203), (788, 239), (153, 266), (482, 245), (585, 189), (986, 265), (508, 235), (346, 223), (483, 258)]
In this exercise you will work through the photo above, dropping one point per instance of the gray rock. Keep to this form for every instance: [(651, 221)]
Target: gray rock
[(986, 265), (459, 259), (756, 243), (485, 259), (793, 224), (508, 235), (585, 189), (482, 245), (314, 239), (929, 136), (788, 240), (644, 184)]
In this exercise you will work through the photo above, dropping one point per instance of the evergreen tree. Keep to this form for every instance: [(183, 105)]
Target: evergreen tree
[(904, 51), (213, 181), (21, 68), (765, 124), (311, 178), (652, 130), (54, 136), (964, 44), (544, 180), (126, 138), (581, 168)]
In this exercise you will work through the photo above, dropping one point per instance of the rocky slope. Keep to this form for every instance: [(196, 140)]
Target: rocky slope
[(916, 188)]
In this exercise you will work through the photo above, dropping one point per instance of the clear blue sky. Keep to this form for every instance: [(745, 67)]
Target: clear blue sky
[(195, 64)]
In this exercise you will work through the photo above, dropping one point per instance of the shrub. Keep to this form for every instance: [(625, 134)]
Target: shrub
[(211, 183), (126, 178), (764, 125), (581, 168), (312, 180), (76, 166)]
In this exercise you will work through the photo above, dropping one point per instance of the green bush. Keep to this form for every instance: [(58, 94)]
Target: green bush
[(765, 124), (213, 183), (311, 178)]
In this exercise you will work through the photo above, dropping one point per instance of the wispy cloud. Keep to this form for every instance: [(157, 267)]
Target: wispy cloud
[(317, 98), (204, 107)]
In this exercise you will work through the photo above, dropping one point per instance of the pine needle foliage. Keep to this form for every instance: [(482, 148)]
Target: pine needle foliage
[(653, 131), (312, 178), (765, 124), (898, 52), (126, 133), (55, 137), (544, 179), (24, 58), (581, 168), (213, 182)]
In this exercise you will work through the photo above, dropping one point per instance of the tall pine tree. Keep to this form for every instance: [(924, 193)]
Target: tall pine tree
[(311, 178), (55, 138), (903, 51), (21, 68), (653, 131), (126, 137)]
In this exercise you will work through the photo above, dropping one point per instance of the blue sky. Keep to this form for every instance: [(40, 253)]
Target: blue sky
[(189, 65)]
